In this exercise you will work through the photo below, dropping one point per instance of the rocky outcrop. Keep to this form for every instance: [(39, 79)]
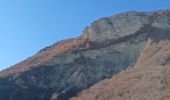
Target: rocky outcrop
[(147, 80), (126, 51), (116, 26)]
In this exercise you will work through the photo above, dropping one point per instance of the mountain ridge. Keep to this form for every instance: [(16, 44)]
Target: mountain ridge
[(105, 50)]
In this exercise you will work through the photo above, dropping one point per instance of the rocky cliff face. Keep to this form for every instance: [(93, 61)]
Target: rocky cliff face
[(125, 56)]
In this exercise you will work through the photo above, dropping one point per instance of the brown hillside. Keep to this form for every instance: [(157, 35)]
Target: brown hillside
[(147, 80)]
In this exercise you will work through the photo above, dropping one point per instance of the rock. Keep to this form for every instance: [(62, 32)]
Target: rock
[(116, 26), (122, 49)]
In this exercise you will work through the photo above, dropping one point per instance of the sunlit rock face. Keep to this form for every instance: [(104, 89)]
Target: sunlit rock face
[(113, 48), (117, 26)]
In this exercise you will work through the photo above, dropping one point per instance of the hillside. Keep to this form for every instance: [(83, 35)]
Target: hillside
[(122, 57)]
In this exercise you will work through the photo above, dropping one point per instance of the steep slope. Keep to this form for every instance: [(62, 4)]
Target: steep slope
[(45, 55), (132, 41), (147, 80)]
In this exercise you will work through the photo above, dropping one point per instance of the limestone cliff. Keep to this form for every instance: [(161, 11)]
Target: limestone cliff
[(122, 57)]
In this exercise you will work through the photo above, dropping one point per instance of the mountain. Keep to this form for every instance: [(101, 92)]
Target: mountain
[(122, 57)]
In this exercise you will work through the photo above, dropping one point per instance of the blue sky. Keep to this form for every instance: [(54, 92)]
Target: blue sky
[(27, 26)]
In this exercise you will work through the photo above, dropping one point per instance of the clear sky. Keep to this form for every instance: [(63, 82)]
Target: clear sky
[(27, 26)]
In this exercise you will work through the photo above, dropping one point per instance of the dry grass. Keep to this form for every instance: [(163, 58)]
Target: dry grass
[(45, 55), (149, 79)]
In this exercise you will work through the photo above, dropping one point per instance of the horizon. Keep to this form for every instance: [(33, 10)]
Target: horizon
[(29, 26)]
